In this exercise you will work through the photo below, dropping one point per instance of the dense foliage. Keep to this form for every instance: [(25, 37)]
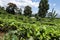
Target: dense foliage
[(27, 11), (11, 8), (43, 8), (25, 28)]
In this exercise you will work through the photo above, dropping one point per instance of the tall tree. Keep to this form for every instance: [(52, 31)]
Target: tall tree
[(43, 8), (18, 11), (52, 14), (11, 8), (2, 8), (27, 11)]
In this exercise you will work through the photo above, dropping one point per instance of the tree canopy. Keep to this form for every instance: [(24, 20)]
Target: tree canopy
[(43, 8), (11, 8), (27, 11)]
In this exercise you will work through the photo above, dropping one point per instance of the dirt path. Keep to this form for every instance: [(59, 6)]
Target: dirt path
[(1, 35)]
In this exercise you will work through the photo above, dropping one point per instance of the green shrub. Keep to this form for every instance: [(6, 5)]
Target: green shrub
[(25, 28)]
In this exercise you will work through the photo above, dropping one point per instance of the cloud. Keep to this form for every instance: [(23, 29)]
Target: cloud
[(54, 4), (19, 3)]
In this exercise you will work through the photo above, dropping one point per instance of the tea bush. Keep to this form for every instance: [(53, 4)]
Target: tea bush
[(19, 27)]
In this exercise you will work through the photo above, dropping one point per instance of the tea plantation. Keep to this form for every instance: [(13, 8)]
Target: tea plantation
[(20, 27)]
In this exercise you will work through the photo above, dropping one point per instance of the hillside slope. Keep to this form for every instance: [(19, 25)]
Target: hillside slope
[(25, 27)]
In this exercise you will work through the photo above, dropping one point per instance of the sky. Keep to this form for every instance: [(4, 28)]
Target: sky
[(33, 3)]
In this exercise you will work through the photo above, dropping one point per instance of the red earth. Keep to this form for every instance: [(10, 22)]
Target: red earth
[(1, 35)]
